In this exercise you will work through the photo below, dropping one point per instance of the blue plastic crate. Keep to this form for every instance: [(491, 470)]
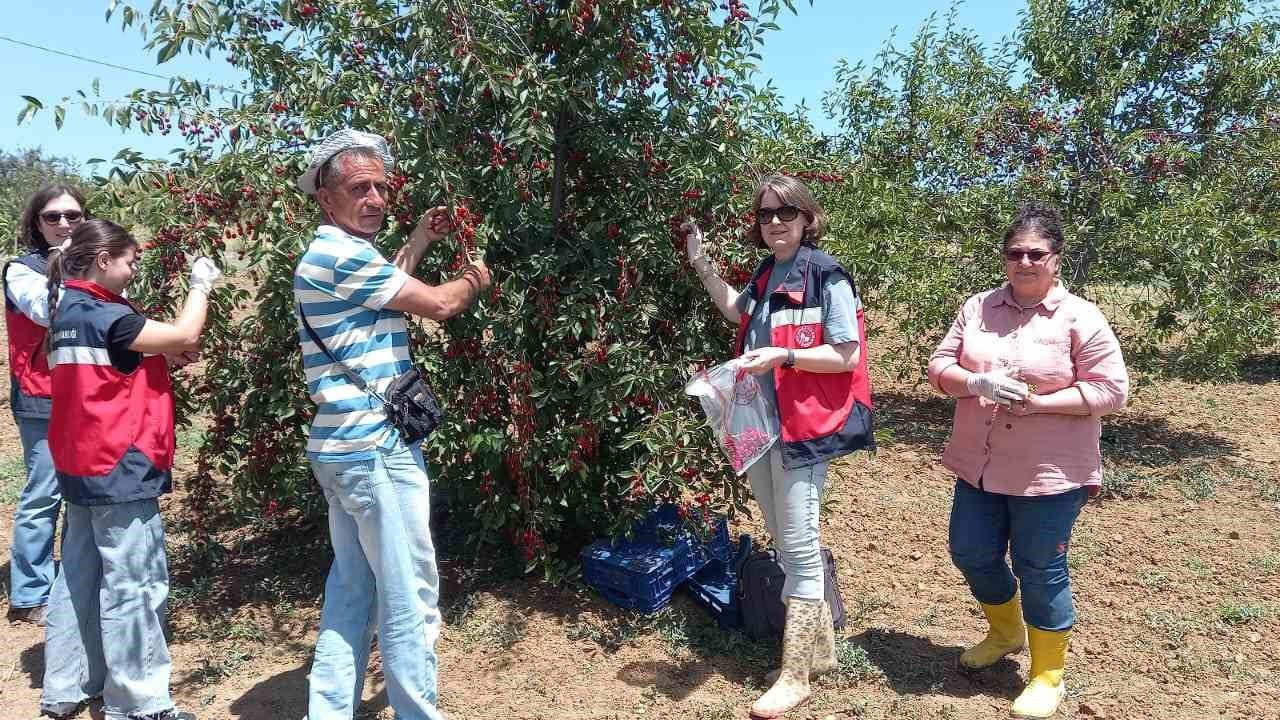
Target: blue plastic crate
[(626, 601), (643, 572), (639, 569), (713, 587)]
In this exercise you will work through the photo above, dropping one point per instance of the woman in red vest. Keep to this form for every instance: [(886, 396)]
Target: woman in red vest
[(50, 216), (111, 436), (800, 329)]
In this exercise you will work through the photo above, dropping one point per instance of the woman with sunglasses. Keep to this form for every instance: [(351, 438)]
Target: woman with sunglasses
[(50, 216), (800, 329), (1033, 368)]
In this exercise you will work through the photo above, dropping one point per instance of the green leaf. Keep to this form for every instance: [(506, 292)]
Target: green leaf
[(168, 52), (59, 115)]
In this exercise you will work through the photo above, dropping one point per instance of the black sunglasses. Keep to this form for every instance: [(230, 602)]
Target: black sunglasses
[(786, 213), (53, 217), (1034, 256)]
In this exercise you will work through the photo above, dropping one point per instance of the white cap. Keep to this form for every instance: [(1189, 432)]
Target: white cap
[(344, 139)]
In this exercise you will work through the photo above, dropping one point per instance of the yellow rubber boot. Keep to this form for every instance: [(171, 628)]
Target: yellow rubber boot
[(1045, 691), (1007, 634)]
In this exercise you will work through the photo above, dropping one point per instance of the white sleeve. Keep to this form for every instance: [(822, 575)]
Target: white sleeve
[(29, 290)]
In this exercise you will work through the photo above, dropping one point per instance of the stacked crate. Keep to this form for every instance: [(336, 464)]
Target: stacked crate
[(642, 573)]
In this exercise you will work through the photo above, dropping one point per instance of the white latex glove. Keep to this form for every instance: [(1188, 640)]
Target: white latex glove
[(204, 274), (997, 386), (693, 240)]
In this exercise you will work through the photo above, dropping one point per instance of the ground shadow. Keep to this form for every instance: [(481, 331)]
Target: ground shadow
[(914, 665), (675, 680), (31, 661), (1148, 440), (281, 696), (257, 568), (1260, 369), (913, 419), (924, 422)]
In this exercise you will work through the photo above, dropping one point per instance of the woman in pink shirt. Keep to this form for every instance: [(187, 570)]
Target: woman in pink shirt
[(1033, 369)]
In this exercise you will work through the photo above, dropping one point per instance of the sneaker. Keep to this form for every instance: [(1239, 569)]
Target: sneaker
[(170, 714), (62, 710), (33, 615)]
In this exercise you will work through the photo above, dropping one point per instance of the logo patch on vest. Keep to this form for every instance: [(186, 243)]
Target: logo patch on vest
[(805, 337)]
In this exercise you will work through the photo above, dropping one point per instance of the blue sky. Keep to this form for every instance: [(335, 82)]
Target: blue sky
[(799, 60)]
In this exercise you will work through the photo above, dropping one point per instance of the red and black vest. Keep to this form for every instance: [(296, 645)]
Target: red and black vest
[(30, 387), (110, 434), (824, 415)]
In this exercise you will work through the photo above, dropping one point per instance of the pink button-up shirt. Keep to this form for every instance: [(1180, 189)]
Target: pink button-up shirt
[(1062, 342)]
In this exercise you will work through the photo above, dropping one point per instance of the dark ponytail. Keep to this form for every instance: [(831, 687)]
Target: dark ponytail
[(87, 240)]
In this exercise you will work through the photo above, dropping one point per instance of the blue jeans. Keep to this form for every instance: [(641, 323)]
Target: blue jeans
[(790, 500), (31, 566), (1035, 532), (383, 574), (107, 612)]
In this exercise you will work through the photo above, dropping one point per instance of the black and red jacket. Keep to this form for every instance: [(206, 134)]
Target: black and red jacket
[(29, 382), (111, 433), (824, 415)]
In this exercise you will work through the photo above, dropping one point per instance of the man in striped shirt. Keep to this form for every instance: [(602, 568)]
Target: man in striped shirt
[(384, 567)]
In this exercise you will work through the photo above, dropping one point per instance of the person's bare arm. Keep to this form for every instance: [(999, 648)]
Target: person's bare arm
[(443, 301)]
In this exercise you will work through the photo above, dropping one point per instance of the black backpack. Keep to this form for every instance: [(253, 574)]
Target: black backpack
[(759, 592)]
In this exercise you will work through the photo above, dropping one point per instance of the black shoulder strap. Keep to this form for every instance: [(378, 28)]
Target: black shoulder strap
[(351, 374)]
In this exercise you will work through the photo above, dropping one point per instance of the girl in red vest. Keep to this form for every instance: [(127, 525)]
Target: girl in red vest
[(51, 214), (800, 329), (111, 436)]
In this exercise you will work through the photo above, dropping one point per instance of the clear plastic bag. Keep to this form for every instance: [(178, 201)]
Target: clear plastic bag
[(737, 411)]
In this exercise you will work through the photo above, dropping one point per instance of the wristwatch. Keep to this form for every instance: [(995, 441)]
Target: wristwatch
[(790, 362)]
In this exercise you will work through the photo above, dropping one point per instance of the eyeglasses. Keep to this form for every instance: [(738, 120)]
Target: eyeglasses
[(786, 213), (53, 217), (1034, 256)]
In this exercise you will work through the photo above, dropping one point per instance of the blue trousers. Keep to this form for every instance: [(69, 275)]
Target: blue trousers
[(107, 612), (383, 577), (1035, 532), (31, 566)]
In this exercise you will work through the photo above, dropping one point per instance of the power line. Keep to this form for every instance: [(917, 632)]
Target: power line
[(106, 64), (85, 59)]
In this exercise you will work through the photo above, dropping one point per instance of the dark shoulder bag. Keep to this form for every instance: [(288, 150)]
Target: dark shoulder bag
[(760, 579), (410, 404)]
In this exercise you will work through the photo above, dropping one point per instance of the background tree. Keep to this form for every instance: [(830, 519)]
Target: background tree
[(1152, 124), (571, 139)]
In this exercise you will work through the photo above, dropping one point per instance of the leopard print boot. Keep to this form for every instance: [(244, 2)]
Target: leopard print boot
[(792, 687), (824, 648), (824, 644)]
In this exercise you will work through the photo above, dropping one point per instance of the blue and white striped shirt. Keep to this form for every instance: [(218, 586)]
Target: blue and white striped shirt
[(342, 283)]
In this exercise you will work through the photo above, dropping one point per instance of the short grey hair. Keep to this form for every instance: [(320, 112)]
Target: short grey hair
[(333, 170)]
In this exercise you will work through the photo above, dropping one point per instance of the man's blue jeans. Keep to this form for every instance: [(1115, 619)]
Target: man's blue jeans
[(107, 612), (31, 566), (1035, 532), (383, 574)]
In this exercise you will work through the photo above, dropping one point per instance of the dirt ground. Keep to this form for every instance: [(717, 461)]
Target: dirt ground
[(1176, 573)]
